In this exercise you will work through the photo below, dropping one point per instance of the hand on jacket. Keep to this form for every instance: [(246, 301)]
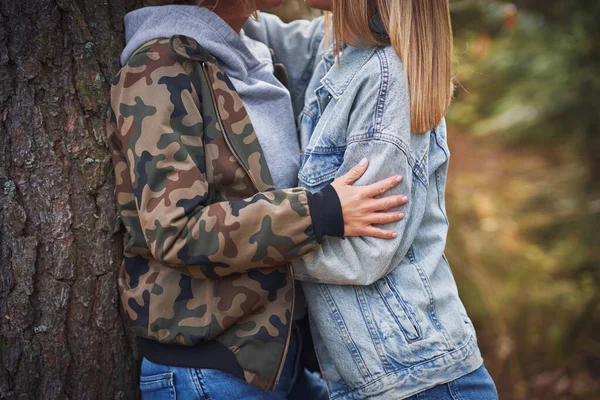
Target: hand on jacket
[(361, 209)]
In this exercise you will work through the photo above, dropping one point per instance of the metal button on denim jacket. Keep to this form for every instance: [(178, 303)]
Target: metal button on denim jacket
[(386, 316)]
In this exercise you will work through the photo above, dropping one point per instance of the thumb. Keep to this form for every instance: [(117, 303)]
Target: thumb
[(356, 172)]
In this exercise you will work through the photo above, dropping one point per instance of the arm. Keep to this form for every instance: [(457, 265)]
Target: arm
[(158, 138), (296, 46), (364, 260), (159, 130)]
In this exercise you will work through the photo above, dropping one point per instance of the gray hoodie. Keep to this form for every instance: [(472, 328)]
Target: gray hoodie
[(247, 63)]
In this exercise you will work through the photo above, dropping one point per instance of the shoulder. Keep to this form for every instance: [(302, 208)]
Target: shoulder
[(157, 83), (375, 82), (394, 94), (158, 68), (376, 70), (374, 65), (161, 58)]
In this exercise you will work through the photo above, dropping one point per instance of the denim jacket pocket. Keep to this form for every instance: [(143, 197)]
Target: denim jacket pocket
[(399, 310), (319, 166)]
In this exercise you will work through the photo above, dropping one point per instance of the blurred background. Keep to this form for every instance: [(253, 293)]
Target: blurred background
[(524, 189)]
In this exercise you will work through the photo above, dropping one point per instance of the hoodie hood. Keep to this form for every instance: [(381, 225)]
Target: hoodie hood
[(201, 24), (248, 65)]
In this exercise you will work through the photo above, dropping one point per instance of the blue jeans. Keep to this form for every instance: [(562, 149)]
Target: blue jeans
[(162, 382), (478, 385)]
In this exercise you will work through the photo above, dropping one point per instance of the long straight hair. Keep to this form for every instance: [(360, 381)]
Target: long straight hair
[(420, 32)]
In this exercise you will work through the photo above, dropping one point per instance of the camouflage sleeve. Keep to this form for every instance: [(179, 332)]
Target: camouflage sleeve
[(159, 130)]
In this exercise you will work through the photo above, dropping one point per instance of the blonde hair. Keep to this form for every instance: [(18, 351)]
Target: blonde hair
[(420, 32)]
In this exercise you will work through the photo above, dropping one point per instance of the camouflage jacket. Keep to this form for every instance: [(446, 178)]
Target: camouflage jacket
[(209, 239)]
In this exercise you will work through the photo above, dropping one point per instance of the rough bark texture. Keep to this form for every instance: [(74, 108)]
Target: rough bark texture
[(62, 335)]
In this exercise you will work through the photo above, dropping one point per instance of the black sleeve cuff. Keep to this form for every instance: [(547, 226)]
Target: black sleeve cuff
[(326, 213)]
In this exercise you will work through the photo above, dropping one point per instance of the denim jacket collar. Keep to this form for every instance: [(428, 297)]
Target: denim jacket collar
[(337, 79)]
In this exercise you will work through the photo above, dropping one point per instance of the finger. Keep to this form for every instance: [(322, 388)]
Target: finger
[(386, 203), (355, 173), (382, 186), (384, 218), (379, 233)]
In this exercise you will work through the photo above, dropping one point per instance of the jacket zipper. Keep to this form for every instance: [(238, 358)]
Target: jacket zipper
[(290, 266), (289, 333), (237, 157)]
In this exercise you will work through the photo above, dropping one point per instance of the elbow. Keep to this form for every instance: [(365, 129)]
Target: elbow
[(358, 277), (370, 272), (348, 270), (165, 249), (169, 240), (165, 257), (353, 274), (179, 250), (368, 279)]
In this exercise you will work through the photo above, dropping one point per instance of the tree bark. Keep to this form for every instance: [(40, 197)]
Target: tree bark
[(62, 335)]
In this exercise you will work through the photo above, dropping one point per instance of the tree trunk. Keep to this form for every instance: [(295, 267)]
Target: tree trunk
[(62, 334)]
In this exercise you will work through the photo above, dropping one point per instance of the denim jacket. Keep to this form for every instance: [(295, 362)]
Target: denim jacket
[(386, 317)]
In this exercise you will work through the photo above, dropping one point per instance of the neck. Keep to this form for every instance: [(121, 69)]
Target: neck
[(234, 19)]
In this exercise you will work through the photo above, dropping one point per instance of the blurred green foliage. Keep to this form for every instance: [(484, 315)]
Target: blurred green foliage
[(536, 65), (523, 192), (528, 258)]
